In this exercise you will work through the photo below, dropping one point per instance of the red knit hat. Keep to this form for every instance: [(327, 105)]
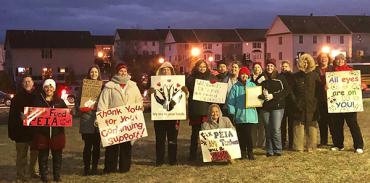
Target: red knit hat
[(256, 63), (244, 70), (271, 61), (120, 66)]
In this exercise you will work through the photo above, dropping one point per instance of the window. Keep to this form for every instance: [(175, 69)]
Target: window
[(217, 57), (153, 52), (314, 53), (341, 39), (256, 45), (169, 47), (180, 58), (268, 55), (207, 46), (327, 39), (153, 43), (169, 59), (23, 70), (280, 40), (314, 39), (257, 55), (300, 39), (280, 55), (46, 53), (186, 46), (62, 69)]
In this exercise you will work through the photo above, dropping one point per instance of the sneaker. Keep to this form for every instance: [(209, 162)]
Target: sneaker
[(359, 151), (337, 149)]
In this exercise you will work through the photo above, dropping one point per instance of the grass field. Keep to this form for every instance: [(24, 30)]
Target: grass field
[(321, 166)]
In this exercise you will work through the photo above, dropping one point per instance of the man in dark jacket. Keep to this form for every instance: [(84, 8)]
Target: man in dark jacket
[(22, 135)]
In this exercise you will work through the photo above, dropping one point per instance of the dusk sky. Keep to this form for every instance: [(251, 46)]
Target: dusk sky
[(105, 16)]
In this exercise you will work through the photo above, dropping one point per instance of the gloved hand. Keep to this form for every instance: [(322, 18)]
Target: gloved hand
[(151, 91), (185, 90), (262, 97), (269, 97)]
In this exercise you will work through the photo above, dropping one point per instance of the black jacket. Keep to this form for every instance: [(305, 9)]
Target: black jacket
[(16, 130), (55, 103), (276, 85), (289, 103)]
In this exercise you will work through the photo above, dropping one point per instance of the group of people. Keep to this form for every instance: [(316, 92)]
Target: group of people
[(294, 104)]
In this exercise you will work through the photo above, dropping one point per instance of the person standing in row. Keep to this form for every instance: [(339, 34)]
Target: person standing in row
[(305, 96), (340, 64), (198, 110), (274, 93), (245, 118), (120, 91), (49, 138), (22, 135), (89, 132), (258, 133)]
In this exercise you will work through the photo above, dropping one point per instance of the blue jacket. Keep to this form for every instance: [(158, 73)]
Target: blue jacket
[(236, 104)]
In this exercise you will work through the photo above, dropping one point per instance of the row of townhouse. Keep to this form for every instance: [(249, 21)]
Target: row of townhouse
[(43, 52)]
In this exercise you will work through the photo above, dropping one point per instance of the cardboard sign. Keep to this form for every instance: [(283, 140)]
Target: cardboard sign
[(90, 92), (210, 92), (251, 96), (121, 124), (168, 102), (40, 116), (219, 145), (344, 91)]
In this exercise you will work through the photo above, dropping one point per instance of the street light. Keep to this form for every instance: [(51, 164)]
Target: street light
[(161, 60), (195, 52), (211, 59), (325, 49), (100, 54)]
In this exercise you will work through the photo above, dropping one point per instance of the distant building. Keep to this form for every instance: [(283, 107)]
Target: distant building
[(44, 54), (103, 47), (254, 44), (2, 57), (290, 36), (359, 26)]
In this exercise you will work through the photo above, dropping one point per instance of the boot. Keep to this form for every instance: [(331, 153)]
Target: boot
[(251, 156), (43, 164), (57, 165), (172, 153)]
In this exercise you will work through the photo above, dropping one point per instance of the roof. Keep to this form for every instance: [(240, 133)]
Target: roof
[(49, 39), (217, 35), (313, 24), (356, 24), (184, 36), (142, 34), (103, 40), (252, 34)]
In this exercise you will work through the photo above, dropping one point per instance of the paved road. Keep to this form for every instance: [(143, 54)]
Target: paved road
[(4, 111)]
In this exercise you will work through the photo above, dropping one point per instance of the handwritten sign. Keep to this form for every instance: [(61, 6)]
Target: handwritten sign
[(90, 93), (252, 94), (121, 124), (210, 92), (219, 145), (168, 102), (344, 91), (40, 116)]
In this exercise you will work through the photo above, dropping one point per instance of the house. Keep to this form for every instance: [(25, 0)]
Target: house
[(178, 45), (139, 42), (2, 57), (44, 53), (289, 36), (254, 44), (359, 26), (103, 47)]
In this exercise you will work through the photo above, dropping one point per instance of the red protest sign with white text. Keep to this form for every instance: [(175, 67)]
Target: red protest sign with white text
[(41, 116)]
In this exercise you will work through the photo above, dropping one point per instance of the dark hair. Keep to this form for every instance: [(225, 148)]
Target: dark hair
[(195, 69), (88, 72), (236, 63), (285, 62), (26, 76)]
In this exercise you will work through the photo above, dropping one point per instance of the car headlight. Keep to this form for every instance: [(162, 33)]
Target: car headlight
[(11, 95)]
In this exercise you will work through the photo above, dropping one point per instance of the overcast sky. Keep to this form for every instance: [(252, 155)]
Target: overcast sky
[(104, 16)]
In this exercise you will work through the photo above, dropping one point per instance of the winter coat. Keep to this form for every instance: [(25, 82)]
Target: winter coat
[(16, 130), (289, 77), (87, 119), (276, 85), (304, 92), (113, 95), (320, 88), (236, 104), (259, 79), (197, 108), (43, 138), (223, 122)]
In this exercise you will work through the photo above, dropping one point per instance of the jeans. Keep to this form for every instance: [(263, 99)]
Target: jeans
[(21, 162), (122, 151), (272, 121)]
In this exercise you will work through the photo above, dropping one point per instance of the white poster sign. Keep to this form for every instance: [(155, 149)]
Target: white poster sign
[(210, 92)]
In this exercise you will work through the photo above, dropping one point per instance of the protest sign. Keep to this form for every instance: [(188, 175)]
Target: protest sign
[(251, 96), (121, 124), (90, 93), (344, 91), (219, 144), (210, 92), (41, 116), (168, 102)]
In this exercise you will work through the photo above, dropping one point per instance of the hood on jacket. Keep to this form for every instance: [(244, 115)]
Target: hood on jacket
[(164, 65), (209, 112), (311, 65), (117, 80)]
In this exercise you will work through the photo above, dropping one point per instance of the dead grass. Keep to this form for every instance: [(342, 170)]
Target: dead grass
[(321, 166)]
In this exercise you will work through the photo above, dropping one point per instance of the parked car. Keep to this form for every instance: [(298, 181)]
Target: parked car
[(68, 93), (5, 98)]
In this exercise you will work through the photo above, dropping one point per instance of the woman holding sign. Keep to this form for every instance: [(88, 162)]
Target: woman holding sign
[(89, 132), (49, 138), (198, 110), (245, 118), (120, 91), (350, 117)]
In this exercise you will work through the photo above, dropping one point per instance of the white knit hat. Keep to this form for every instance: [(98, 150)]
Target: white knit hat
[(49, 82)]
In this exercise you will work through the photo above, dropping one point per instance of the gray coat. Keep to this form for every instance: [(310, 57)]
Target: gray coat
[(223, 122)]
